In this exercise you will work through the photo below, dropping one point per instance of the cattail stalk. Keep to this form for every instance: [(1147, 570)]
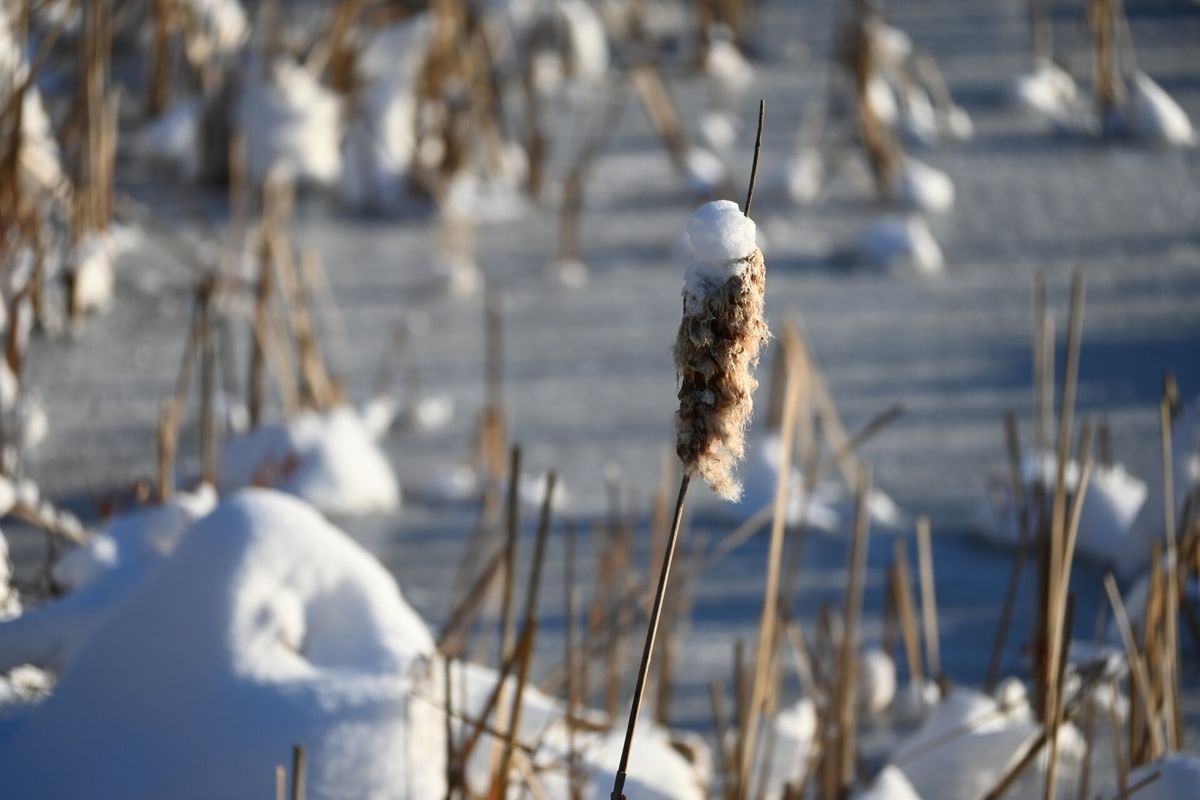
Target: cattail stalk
[(718, 342)]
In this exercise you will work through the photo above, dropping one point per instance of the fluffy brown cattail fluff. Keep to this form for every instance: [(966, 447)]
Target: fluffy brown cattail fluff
[(719, 340)]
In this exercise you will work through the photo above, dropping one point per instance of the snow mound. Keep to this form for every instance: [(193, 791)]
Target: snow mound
[(795, 730), (719, 130), (1154, 117), (93, 277), (876, 681), (266, 627), (924, 188), (826, 509), (98, 577), (900, 243), (381, 135), (802, 175), (963, 748), (221, 26), (291, 122), (1048, 91), (724, 63), (705, 171), (173, 137), (328, 458), (1106, 529), (889, 784)]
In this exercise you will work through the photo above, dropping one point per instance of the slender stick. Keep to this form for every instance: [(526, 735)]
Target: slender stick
[(651, 633), (762, 108)]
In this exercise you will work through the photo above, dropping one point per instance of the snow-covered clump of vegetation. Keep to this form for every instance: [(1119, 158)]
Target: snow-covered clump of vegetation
[(1113, 500), (1048, 91), (900, 242), (291, 122), (329, 458)]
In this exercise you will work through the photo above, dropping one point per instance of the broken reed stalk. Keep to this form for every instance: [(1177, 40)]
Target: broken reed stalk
[(168, 441), (209, 445), (508, 647), (905, 610), (512, 524), (1137, 665), (847, 681), (493, 428), (299, 769), (281, 781), (767, 622), (1172, 701), (528, 634), (721, 728), (929, 613), (1022, 514), (574, 790), (715, 348), (453, 772)]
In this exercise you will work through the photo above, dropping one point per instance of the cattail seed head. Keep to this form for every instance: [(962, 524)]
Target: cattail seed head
[(719, 341)]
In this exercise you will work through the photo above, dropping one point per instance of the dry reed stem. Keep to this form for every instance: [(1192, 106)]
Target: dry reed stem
[(1137, 666), (717, 345), (1173, 701), (906, 610), (168, 441), (847, 681), (574, 790), (299, 770), (651, 90), (726, 757), (453, 772), (929, 611), (1022, 513), (1059, 563), (766, 632)]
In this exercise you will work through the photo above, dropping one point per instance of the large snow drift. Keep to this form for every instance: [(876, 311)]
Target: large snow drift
[(266, 627)]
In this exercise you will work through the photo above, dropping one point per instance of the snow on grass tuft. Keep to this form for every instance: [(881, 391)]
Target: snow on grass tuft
[(924, 188), (900, 243), (328, 458), (291, 122)]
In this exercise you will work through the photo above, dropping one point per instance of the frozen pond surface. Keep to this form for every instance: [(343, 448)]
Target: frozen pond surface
[(589, 380)]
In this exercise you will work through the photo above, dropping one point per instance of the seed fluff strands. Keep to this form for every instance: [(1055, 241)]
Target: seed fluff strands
[(718, 344)]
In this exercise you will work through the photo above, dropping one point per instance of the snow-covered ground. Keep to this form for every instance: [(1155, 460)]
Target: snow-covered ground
[(589, 380)]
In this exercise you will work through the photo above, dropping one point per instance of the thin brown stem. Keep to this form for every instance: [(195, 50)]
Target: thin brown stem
[(651, 633)]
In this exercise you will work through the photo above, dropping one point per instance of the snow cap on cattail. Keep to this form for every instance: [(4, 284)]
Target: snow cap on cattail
[(719, 340)]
